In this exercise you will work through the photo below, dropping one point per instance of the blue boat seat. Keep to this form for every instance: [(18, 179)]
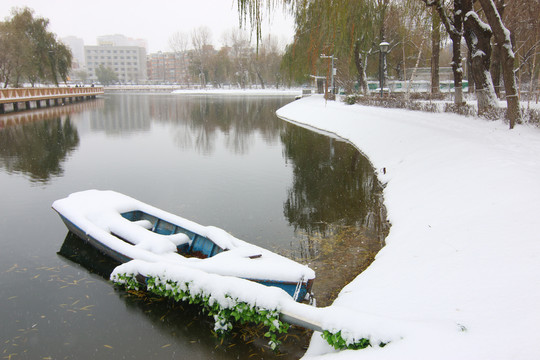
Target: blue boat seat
[(203, 247)]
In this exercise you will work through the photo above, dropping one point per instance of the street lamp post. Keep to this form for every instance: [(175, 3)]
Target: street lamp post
[(323, 56), (382, 66)]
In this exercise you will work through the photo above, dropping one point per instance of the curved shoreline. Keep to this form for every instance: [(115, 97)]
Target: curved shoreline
[(457, 189), (357, 250)]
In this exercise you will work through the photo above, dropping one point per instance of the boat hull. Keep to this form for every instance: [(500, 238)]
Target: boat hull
[(95, 242), (124, 230)]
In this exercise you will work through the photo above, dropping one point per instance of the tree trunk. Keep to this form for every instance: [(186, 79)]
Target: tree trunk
[(533, 71), (502, 36), (259, 75), (477, 35), (435, 52), (361, 77), (457, 69), (497, 55), (6, 80), (495, 69), (415, 68), (471, 88), (455, 30)]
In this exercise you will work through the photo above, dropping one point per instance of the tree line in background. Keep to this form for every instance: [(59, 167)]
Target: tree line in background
[(30, 53), (237, 62), (498, 39)]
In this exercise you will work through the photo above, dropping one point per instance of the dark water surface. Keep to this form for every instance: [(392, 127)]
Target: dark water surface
[(223, 161)]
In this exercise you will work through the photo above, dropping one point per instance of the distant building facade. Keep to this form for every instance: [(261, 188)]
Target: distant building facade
[(128, 62), (76, 45), (120, 40)]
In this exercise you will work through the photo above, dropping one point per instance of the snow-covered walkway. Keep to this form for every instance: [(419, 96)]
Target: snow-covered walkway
[(462, 263)]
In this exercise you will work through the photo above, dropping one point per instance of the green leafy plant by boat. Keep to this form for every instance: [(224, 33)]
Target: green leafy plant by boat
[(339, 343), (229, 311), (224, 316)]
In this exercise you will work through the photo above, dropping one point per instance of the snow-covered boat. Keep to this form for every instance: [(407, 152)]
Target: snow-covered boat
[(125, 229)]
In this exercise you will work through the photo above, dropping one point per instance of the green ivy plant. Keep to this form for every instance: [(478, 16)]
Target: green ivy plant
[(237, 311), (338, 342)]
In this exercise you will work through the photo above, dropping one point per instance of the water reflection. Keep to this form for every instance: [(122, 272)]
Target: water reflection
[(199, 121), (80, 252), (40, 114), (122, 115), (333, 184), (336, 206), (39, 148)]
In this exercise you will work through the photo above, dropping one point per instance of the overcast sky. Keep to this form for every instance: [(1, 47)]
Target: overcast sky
[(153, 20)]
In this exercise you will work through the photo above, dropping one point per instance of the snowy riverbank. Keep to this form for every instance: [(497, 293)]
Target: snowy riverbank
[(462, 260)]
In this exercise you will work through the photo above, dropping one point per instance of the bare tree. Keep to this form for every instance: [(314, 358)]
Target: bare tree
[(521, 18), (435, 52), (201, 38), (478, 37), (502, 36), (454, 26), (495, 68), (178, 42), (361, 61), (266, 62), (240, 54)]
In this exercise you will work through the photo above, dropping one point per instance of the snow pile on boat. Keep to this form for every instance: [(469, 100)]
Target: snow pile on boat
[(463, 198), (98, 215)]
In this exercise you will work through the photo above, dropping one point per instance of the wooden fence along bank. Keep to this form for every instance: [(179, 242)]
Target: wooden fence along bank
[(30, 98)]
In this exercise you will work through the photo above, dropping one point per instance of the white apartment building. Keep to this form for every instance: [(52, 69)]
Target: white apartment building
[(76, 46), (128, 62)]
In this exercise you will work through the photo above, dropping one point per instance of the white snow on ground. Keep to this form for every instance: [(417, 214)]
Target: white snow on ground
[(461, 267)]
